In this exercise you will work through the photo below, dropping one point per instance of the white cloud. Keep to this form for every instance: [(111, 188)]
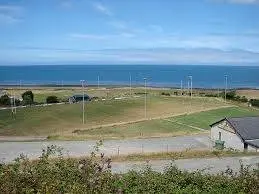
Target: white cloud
[(121, 25), (239, 1), (127, 35), (10, 14), (9, 8), (102, 9), (156, 28), (136, 56), (89, 36), (66, 4), (107, 37), (244, 1)]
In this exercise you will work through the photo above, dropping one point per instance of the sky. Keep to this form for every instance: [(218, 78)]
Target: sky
[(129, 32)]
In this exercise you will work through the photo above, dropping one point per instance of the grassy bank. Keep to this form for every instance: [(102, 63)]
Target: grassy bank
[(188, 154)]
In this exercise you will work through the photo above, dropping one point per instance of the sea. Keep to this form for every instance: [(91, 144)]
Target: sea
[(210, 77)]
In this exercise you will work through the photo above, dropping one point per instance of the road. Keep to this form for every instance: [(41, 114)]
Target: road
[(207, 165), (10, 150)]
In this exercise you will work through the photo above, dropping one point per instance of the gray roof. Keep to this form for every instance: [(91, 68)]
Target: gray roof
[(254, 143), (246, 127)]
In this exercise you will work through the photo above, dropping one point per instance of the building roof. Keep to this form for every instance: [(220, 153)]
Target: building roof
[(254, 143), (246, 127)]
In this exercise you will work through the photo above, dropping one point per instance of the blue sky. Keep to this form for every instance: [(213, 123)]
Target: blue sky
[(129, 32)]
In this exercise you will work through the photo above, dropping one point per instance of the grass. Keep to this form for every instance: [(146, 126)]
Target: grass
[(188, 154), (204, 119), (40, 94), (161, 127), (104, 118), (144, 129), (64, 119)]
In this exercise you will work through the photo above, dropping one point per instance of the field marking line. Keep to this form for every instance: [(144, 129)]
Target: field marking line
[(177, 122), (153, 118)]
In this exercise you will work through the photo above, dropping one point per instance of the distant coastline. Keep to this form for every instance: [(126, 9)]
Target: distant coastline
[(168, 76), (112, 86)]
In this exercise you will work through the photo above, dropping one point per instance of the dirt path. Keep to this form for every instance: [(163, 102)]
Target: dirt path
[(156, 118)]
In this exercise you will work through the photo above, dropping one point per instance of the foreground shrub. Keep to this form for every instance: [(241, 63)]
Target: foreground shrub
[(93, 175)]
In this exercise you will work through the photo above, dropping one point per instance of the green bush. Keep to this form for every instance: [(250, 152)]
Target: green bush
[(93, 175), (28, 98), (52, 99), (165, 94), (5, 100), (231, 95), (254, 102)]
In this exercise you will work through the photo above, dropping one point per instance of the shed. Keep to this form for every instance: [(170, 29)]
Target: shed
[(241, 133)]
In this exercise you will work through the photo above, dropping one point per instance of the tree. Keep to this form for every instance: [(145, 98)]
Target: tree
[(28, 97), (5, 100), (27, 100), (52, 99), (254, 102), (231, 95)]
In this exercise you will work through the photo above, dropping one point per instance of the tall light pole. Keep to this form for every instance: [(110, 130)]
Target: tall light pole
[(188, 86), (145, 80), (98, 81), (130, 83), (226, 86), (82, 82), (181, 87), (190, 77)]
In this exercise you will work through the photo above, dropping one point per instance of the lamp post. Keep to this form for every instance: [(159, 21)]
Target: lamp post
[(181, 87), (226, 85), (130, 83), (190, 77), (98, 80), (145, 80), (82, 82)]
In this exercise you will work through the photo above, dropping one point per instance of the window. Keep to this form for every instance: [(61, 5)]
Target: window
[(220, 136)]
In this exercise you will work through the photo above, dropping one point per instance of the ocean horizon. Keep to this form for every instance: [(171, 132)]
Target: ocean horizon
[(203, 76)]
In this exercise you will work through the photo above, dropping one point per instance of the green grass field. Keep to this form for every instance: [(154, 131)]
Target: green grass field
[(64, 119), (144, 129), (161, 127), (204, 119)]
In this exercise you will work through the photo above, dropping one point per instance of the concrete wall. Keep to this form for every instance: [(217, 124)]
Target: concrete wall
[(228, 135), (231, 139)]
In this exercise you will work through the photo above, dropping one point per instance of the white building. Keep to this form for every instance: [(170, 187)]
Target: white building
[(241, 133)]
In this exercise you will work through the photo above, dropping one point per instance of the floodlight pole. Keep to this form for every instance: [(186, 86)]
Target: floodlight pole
[(145, 79), (130, 84), (226, 85), (188, 87), (181, 87), (98, 81), (82, 82), (190, 77)]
